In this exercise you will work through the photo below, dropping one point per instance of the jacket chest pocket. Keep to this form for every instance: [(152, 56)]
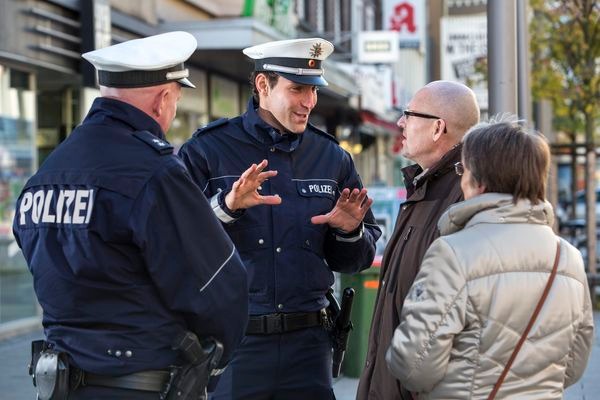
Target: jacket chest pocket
[(317, 196)]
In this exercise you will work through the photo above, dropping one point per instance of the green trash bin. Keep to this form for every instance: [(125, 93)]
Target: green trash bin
[(365, 284)]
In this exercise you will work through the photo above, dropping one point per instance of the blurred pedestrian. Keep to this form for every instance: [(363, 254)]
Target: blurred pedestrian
[(437, 118), (125, 251), (294, 224), (481, 281)]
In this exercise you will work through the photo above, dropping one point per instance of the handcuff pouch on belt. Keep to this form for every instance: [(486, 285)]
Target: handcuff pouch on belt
[(50, 372)]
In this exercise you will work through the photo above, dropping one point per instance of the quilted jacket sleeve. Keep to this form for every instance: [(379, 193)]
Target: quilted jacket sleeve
[(433, 313), (584, 336)]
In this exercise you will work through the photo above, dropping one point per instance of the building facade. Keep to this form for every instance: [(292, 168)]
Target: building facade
[(46, 88)]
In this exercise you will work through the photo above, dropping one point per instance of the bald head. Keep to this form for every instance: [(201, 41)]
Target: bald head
[(455, 103), (141, 98), (439, 115), (159, 101)]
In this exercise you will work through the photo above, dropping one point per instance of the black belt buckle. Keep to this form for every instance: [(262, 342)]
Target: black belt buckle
[(273, 323)]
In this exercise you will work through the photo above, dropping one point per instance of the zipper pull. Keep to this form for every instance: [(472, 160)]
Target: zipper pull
[(408, 233)]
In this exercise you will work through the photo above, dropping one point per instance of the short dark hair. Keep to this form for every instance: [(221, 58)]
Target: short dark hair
[(507, 158), (272, 77)]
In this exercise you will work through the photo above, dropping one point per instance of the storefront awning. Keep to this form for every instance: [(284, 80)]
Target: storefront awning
[(376, 126)]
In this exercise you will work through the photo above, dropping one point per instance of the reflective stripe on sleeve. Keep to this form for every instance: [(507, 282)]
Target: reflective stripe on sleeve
[(218, 270), (218, 210)]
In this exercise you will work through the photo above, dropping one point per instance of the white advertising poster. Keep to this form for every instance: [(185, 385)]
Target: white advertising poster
[(463, 46), (375, 85), (408, 19)]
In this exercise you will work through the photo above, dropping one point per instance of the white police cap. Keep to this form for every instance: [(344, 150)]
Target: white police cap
[(298, 60), (149, 61)]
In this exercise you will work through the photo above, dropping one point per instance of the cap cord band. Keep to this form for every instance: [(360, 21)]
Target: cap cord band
[(289, 70), (177, 74), (308, 63), (138, 78), (289, 65)]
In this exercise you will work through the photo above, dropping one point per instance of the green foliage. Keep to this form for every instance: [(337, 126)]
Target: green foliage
[(565, 49)]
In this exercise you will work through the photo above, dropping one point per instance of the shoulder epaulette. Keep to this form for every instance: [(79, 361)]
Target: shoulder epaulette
[(161, 146), (212, 125), (323, 133)]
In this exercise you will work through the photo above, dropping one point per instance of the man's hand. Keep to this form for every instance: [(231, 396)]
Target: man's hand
[(348, 212), (244, 192)]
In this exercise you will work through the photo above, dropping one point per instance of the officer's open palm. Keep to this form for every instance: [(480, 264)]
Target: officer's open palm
[(348, 212), (244, 192)]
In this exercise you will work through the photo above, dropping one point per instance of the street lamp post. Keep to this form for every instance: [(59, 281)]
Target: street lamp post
[(502, 70)]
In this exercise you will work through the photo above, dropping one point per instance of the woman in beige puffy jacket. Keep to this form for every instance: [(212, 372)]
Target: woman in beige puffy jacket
[(480, 282)]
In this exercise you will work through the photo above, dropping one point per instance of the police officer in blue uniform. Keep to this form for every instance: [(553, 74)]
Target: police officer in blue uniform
[(125, 250), (293, 224)]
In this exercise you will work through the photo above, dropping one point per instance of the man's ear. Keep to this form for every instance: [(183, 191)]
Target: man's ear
[(262, 84), (440, 129), (160, 101)]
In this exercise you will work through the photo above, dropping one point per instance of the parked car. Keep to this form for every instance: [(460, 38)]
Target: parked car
[(563, 215)]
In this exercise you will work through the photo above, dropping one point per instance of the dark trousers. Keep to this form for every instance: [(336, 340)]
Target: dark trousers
[(288, 366), (105, 393)]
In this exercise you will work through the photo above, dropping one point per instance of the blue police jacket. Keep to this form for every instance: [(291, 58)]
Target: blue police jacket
[(289, 260), (124, 249)]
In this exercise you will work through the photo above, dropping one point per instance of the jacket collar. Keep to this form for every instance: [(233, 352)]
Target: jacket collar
[(416, 179), (110, 111), (494, 208), (257, 128)]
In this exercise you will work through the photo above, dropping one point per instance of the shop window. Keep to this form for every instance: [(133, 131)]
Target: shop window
[(57, 118), (17, 162), (19, 80)]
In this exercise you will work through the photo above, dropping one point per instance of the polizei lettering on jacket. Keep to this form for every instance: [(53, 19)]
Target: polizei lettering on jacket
[(328, 189), (64, 206)]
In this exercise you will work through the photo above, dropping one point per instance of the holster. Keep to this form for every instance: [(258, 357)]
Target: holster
[(341, 327), (189, 381), (50, 372)]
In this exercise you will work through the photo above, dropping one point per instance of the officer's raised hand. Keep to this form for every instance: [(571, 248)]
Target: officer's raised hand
[(244, 192), (348, 212)]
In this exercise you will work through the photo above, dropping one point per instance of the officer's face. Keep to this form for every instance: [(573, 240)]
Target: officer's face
[(288, 104)]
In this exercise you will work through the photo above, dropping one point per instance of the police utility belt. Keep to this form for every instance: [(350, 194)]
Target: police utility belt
[(55, 377), (269, 324)]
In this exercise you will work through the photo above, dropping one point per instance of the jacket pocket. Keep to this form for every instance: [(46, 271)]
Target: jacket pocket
[(253, 244), (397, 255), (316, 273), (313, 239)]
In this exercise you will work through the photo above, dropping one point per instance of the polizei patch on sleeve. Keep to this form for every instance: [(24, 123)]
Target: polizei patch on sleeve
[(56, 206)]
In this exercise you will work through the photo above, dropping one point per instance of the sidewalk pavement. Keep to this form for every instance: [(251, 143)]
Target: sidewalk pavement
[(15, 384)]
